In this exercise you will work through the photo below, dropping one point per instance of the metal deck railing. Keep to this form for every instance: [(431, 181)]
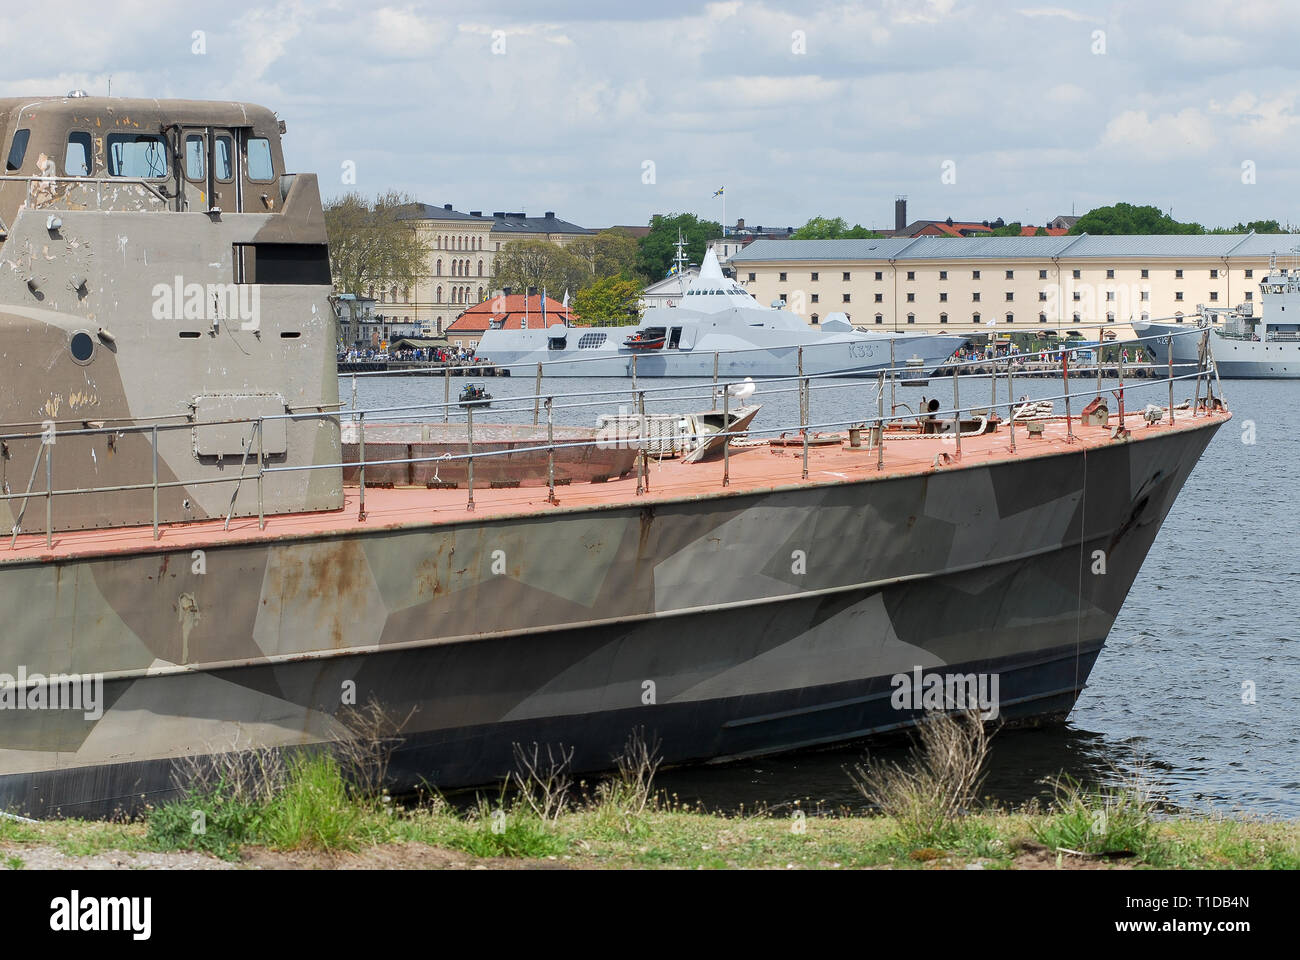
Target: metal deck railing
[(877, 422)]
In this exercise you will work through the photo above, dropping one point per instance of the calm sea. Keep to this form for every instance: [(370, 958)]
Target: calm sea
[(1199, 683)]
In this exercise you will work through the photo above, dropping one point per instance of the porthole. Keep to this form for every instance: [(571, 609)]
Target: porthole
[(82, 347)]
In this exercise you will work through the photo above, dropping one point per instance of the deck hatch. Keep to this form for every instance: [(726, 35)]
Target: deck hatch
[(229, 439)]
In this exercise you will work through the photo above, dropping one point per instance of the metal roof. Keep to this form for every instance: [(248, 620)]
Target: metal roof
[(986, 248), (1022, 248), (517, 223), (821, 250)]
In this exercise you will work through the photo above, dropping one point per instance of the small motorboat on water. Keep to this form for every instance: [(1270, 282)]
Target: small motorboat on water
[(475, 395), (646, 340)]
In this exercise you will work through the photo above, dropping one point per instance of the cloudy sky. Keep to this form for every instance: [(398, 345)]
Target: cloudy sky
[(607, 111)]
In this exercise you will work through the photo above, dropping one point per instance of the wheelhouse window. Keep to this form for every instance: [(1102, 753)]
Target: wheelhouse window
[(260, 166), (18, 150), (140, 156), (76, 156), (196, 158), (224, 164)]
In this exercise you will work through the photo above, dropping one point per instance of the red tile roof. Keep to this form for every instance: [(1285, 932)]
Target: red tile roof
[(513, 309), (1051, 231)]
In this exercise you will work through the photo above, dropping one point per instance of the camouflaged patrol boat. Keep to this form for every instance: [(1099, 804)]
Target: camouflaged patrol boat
[(190, 574)]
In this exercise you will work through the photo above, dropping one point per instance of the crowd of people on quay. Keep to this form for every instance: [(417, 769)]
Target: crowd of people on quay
[(413, 354)]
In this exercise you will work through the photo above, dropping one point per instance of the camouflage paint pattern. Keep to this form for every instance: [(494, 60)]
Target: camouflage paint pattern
[(555, 636)]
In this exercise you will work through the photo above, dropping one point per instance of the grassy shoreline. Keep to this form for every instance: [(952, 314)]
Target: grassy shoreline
[(683, 840), (329, 809), (311, 830)]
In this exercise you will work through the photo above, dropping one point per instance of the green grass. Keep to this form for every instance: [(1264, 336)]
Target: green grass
[(312, 811), (1110, 821)]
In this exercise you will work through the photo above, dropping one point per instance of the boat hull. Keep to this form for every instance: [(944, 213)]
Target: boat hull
[(694, 619)]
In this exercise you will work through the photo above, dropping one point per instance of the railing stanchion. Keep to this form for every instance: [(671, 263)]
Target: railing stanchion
[(1170, 354), (261, 502), (49, 493), (155, 481), (803, 415), (880, 423), (893, 382), (469, 444), (361, 459), (1011, 405), (993, 382), (1122, 426), (726, 441), (1214, 365), (956, 413), (446, 391), (550, 453), (1065, 382), (645, 450), (537, 393), (803, 393)]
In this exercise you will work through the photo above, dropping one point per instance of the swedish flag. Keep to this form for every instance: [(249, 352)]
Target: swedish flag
[(718, 192)]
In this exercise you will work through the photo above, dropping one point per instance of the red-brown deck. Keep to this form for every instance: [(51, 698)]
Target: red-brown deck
[(753, 468)]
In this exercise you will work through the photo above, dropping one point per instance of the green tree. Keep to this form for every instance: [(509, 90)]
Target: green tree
[(607, 253), (832, 228), (1258, 226), (539, 263), (1125, 218), (370, 243), (607, 301), (658, 247)]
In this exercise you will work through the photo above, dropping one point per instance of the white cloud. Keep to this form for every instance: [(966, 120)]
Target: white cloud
[(1058, 12), (1168, 135)]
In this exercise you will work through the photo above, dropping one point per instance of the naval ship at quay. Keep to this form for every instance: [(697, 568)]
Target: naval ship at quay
[(189, 531), (717, 328), (1245, 347)]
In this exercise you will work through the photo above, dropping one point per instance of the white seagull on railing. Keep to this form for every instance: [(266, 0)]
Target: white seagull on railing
[(738, 391)]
